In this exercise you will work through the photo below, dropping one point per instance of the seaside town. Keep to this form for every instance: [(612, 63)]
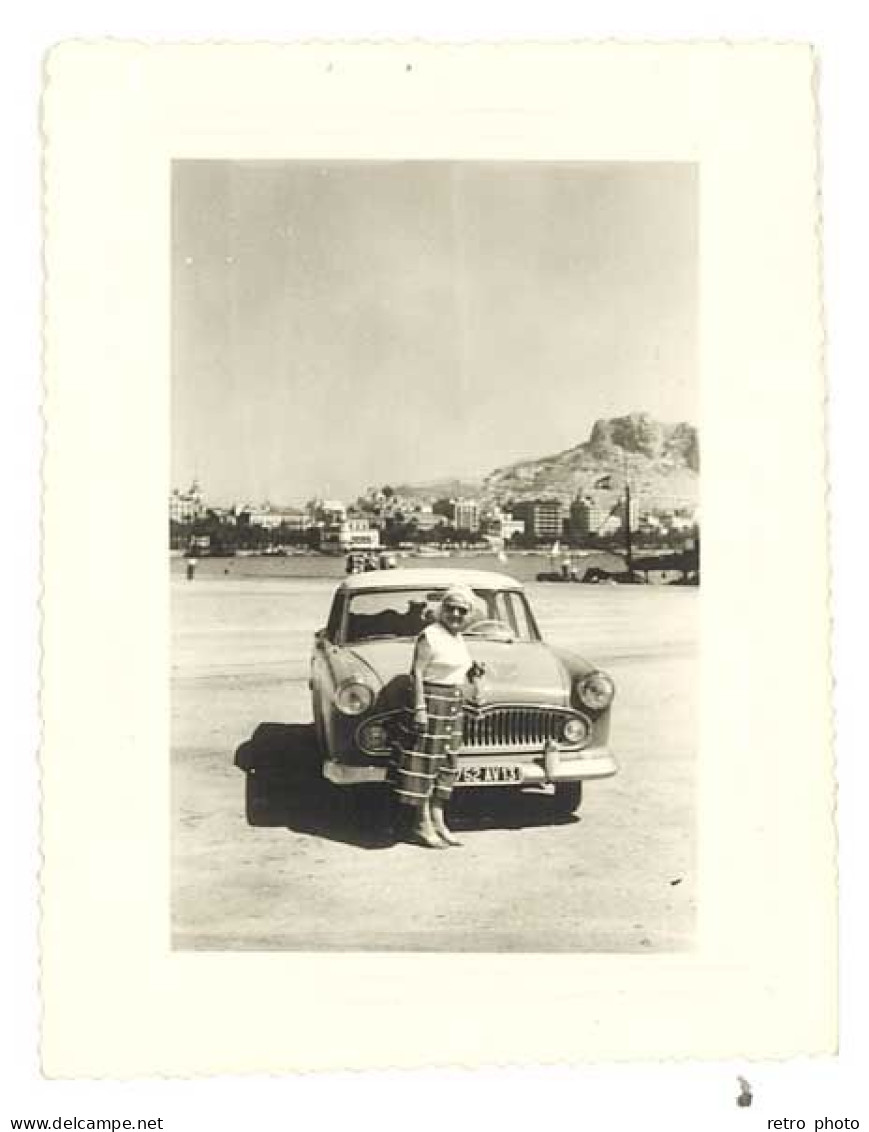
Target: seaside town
[(384, 519), (372, 530), (629, 492)]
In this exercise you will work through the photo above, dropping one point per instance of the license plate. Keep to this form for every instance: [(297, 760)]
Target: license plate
[(489, 775)]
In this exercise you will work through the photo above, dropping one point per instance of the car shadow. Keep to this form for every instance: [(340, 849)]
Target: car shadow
[(500, 807), (284, 787)]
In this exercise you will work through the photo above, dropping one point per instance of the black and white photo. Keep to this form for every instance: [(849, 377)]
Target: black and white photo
[(426, 375), (435, 575)]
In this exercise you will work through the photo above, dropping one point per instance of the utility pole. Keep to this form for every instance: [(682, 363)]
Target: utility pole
[(629, 549)]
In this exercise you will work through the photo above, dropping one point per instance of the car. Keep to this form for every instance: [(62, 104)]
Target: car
[(538, 717)]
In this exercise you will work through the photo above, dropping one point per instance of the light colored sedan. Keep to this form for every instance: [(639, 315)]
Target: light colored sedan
[(538, 717)]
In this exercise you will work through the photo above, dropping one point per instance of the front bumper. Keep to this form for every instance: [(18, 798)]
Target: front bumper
[(547, 767)]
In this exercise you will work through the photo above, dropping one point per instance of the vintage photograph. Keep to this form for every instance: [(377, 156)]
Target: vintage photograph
[(434, 537), (435, 577)]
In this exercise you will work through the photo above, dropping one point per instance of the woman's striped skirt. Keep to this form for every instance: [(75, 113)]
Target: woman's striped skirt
[(427, 763)]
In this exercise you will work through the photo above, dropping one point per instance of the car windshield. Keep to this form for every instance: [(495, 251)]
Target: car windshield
[(500, 615)]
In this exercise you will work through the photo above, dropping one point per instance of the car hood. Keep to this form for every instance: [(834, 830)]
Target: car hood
[(519, 672)]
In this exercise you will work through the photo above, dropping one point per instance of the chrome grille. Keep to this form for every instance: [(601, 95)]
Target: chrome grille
[(513, 728)]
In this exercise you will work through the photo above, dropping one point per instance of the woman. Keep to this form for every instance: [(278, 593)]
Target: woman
[(427, 762)]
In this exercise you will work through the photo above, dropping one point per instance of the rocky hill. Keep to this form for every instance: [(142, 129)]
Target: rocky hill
[(446, 488), (663, 461)]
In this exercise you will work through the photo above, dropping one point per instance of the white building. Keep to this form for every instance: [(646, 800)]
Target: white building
[(186, 506), (332, 510), (466, 515), (270, 518), (426, 520), (601, 513), (510, 527), (354, 533), (502, 526)]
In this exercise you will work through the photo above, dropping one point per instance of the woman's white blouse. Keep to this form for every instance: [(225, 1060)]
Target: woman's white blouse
[(448, 659)]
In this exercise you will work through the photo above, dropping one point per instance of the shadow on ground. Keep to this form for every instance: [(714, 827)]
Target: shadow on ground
[(284, 787)]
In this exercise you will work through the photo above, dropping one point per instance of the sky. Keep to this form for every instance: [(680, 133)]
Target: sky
[(338, 325)]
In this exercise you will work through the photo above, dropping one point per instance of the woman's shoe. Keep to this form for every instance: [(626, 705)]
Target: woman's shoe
[(446, 835), (427, 838)]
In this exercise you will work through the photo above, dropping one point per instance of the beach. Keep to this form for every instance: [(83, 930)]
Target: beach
[(309, 872)]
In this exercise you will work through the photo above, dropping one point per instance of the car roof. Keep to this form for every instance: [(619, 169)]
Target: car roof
[(423, 578)]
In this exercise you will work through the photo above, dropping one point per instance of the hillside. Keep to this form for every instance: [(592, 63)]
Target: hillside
[(444, 488), (663, 461)]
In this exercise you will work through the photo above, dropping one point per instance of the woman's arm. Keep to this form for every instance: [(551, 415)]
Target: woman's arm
[(421, 657)]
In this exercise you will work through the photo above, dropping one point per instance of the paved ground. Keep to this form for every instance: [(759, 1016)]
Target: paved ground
[(291, 863)]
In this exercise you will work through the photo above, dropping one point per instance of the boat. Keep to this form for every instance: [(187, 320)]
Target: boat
[(431, 552)]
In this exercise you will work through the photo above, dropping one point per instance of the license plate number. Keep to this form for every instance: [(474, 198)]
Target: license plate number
[(489, 775)]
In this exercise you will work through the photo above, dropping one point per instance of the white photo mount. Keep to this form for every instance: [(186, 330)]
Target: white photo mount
[(762, 980)]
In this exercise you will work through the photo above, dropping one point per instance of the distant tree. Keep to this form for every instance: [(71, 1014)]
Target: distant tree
[(521, 540), (396, 532), (388, 492), (291, 536), (255, 537)]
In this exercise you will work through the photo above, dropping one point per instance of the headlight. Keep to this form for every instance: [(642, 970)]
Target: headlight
[(596, 691), (575, 730), (354, 697), (373, 737)]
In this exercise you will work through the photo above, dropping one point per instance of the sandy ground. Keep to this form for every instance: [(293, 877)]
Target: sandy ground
[(283, 861)]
